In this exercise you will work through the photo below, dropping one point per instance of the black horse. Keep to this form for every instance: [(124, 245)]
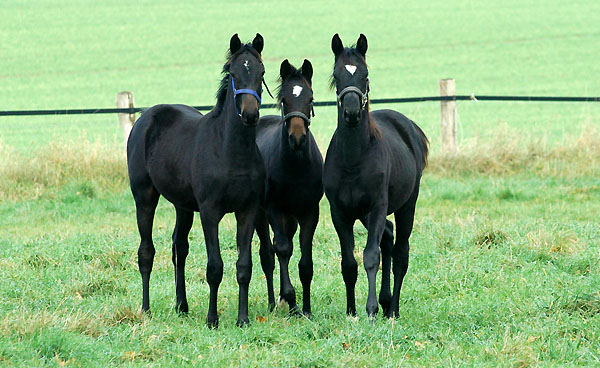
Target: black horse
[(372, 169), (209, 164), (294, 184)]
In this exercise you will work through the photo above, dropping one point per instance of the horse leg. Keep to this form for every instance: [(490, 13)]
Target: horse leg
[(404, 224), (146, 199), (267, 254), (284, 228), (308, 225), (376, 224), (344, 229), (180, 251), (210, 218), (245, 229), (387, 243)]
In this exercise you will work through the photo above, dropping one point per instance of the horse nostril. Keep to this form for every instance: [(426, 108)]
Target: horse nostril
[(302, 141)]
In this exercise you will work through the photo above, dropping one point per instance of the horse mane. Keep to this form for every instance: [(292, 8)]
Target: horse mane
[(224, 84), (347, 55), (295, 74)]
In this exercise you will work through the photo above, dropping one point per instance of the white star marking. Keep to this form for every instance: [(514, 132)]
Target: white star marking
[(296, 91), (351, 69)]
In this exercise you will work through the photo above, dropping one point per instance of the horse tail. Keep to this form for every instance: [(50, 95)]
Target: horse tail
[(424, 144)]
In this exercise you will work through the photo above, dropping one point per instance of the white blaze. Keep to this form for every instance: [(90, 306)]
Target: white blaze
[(296, 91), (351, 69), (247, 66)]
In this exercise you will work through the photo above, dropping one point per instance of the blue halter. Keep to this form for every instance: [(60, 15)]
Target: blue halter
[(243, 91)]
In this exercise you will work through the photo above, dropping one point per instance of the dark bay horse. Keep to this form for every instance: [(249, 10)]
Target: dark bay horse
[(294, 184), (372, 169), (205, 163)]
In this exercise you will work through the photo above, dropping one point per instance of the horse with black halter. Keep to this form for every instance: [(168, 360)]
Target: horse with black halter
[(294, 184), (205, 163), (372, 169)]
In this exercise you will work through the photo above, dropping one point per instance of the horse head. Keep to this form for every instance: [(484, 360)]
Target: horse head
[(246, 72), (296, 100), (351, 79)]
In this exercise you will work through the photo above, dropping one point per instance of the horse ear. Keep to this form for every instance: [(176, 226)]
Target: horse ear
[(234, 44), (258, 43), (336, 45), (361, 44), (285, 69), (307, 70)]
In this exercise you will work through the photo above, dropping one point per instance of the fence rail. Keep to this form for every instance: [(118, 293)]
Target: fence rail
[(126, 109), (133, 110)]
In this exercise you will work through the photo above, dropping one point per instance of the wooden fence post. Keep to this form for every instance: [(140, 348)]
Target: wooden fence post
[(125, 100), (448, 111)]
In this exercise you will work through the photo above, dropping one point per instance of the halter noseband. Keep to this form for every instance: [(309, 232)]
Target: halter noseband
[(297, 114), (363, 96), (243, 91)]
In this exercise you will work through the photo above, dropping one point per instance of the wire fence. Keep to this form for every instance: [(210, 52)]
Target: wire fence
[(132, 110)]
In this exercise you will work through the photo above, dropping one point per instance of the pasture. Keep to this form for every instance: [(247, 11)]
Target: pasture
[(504, 254)]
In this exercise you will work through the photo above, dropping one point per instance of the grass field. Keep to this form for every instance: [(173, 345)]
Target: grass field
[(505, 250)]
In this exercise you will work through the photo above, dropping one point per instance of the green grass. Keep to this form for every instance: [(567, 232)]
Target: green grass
[(503, 271), (80, 54), (504, 254)]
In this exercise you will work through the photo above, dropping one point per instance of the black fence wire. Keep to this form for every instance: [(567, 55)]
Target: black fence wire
[(132, 110)]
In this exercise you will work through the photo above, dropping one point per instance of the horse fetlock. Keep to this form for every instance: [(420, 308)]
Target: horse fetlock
[(288, 295), (372, 308), (182, 307)]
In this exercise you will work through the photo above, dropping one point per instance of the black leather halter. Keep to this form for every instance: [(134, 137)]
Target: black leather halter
[(363, 96)]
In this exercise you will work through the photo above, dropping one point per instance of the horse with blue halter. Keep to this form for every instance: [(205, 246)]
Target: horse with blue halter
[(372, 169), (294, 184), (203, 163)]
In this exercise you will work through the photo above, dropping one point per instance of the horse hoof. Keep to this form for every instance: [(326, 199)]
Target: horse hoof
[(296, 312), (307, 314), (181, 308), (147, 313), (213, 324), (243, 322), (271, 307)]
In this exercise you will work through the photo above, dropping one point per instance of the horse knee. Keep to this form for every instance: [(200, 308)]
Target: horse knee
[(305, 268), (349, 270), (401, 260), (244, 272), (146, 257), (283, 248), (267, 259), (214, 271), (371, 259)]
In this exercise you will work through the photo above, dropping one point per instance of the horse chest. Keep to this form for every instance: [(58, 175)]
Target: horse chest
[(293, 196), (356, 194)]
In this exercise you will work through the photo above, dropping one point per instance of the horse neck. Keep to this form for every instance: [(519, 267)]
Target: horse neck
[(353, 142)]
